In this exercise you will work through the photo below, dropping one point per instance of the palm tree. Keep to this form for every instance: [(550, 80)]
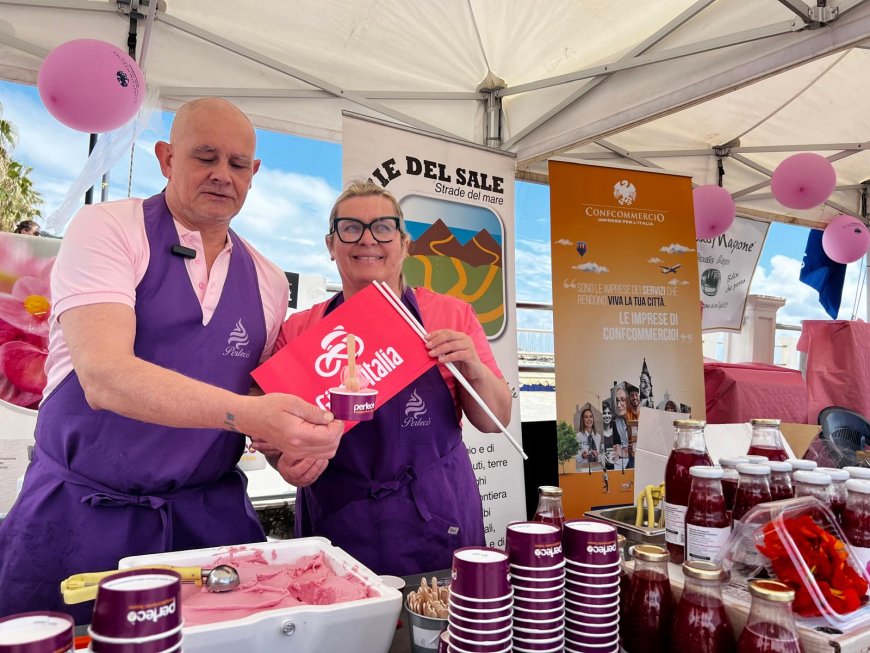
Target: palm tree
[(18, 199)]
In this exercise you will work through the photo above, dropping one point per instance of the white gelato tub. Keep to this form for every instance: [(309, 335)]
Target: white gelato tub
[(363, 626)]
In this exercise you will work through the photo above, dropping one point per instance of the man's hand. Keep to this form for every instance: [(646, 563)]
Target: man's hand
[(300, 472)]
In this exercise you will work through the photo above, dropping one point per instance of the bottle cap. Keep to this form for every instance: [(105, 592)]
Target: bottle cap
[(858, 486), (756, 460), (812, 478), (731, 462), (703, 570), (753, 470), (765, 423), (772, 590), (835, 473), (649, 553), (799, 464), (706, 471), (689, 423), (779, 466), (550, 491), (862, 473)]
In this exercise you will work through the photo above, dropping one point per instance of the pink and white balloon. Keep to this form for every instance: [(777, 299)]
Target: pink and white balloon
[(845, 239), (714, 211), (803, 181), (90, 85)]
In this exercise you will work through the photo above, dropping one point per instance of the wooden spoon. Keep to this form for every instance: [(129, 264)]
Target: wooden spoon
[(351, 383)]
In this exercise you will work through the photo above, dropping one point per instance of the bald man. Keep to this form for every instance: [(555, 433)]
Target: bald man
[(160, 312)]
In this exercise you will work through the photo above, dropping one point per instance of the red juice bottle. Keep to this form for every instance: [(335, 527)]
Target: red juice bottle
[(767, 440), (780, 480), (770, 627), (856, 519), (707, 522), (837, 489), (649, 607), (752, 488), (813, 484), (689, 450), (700, 623), (550, 506), (729, 479)]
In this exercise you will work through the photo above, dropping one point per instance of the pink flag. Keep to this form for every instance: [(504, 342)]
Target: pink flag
[(389, 354)]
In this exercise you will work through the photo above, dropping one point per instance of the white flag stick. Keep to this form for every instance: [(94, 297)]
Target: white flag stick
[(409, 317)]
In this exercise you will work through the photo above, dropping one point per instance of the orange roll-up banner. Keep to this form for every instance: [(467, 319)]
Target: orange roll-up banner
[(626, 319)]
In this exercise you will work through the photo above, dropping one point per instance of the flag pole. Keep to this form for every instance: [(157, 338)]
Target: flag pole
[(390, 296)]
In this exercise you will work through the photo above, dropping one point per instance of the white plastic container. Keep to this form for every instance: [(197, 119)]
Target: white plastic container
[(363, 626)]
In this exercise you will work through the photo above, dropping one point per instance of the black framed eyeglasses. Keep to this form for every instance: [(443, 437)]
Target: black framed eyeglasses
[(351, 230)]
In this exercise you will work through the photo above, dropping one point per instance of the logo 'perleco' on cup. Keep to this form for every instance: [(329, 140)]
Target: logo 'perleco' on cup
[(590, 542), (137, 603), (534, 544), (37, 632), (354, 406)]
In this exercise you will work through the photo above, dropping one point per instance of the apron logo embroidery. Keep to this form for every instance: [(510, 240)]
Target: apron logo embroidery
[(237, 342), (414, 411)]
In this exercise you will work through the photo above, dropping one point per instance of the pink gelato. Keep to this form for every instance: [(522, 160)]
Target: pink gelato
[(268, 585)]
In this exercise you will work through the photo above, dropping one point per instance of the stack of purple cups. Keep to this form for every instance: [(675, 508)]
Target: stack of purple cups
[(480, 609), (591, 587), (538, 579)]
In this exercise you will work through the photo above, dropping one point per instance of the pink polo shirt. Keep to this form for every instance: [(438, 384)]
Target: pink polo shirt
[(104, 256)]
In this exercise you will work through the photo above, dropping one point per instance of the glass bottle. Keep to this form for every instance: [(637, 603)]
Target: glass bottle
[(700, 623), (860, 473), (752, 488), (770, 627), (801, 465), (689, 450), (649, 607), (780, 480), (837, 489), (729, 478), (550, 506), (767, 439), (812, 484), (856, 519), (707, 522)]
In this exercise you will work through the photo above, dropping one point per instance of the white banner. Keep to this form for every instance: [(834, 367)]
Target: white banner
[(460, 198), (726, 265)]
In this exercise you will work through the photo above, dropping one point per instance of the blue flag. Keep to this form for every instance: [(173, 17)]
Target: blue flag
[(823, 274)]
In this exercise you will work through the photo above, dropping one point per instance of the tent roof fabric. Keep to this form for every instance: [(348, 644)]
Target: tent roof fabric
[(635, 82)]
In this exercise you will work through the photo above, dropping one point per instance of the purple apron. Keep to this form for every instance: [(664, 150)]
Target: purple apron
[(102, 486), (400, 495)]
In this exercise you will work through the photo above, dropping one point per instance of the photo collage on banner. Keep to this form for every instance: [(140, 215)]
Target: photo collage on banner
[(726, 265), (626, 319), (458, 204)]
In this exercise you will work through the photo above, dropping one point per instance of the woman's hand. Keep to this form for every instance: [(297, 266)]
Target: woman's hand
[(456, 347)]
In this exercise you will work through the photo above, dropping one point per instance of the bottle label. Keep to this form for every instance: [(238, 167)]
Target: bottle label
[(863, 554), (705, 543), (675, 523)]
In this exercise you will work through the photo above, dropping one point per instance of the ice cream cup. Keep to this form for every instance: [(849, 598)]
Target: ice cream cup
[(590, 618), (356, 406), (469, 603), (461, 626), (534, 571), (539, 621), (539, 633), (583, 597), (585, 568), (545, 593), (485, 623), (480, 635), (470, 648), (545, 641), (539, 604), (609, 647), (135, 604), (495, 642), (597, 573), (590, 542), (590, 607), (166, 644), (592, 628), (502, 612), (534, 544), (591, 588), (37, 632), (534, 614), (480, 573), (584, 639), (523, 649), (531, 581)]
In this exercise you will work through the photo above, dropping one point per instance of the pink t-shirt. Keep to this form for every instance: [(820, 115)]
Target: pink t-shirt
[(104, 256), (437, 312)]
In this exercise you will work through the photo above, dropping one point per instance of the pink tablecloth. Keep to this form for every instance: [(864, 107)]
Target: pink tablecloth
[(740, 392), (838, 365)]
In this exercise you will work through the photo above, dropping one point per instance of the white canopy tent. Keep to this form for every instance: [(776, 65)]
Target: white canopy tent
[(678, 84)]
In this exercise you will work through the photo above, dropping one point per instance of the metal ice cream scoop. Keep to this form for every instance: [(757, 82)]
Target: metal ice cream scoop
[(83, 587)]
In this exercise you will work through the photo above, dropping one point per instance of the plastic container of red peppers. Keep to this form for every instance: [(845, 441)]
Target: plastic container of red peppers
[(800, 543)]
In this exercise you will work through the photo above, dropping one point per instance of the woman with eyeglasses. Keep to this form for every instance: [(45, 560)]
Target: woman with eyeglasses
[(400, 494)]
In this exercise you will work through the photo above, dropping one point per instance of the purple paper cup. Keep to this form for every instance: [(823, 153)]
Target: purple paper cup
[(531, 581), (503, 612), (534, 544), (498, 603), (591, 588), (590, 542), (539, 633), (586, 639), (37, 632), (485, 644), (591, 627), (574, 594), (533, 605), (534, 614), (534, 571), (610, 647), (546, 593), (591, 618), (354, 406), (161, 645), (456, 648), (137, 603), (583, 568), (477, 624), (523, 649), (540, 621), (546, 642), (485, 628), (595, 573), (591, 607), (480, 635), (480, 573)]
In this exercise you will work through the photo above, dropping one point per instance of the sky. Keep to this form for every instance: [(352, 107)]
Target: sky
[(286, 211)]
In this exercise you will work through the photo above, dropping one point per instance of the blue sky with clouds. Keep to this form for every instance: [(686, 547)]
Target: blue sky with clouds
[(285, 215)]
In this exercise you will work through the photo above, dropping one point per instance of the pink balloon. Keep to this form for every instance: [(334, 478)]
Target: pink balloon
[(90, 85), (845, 239), (714, 211), (803, 181)]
